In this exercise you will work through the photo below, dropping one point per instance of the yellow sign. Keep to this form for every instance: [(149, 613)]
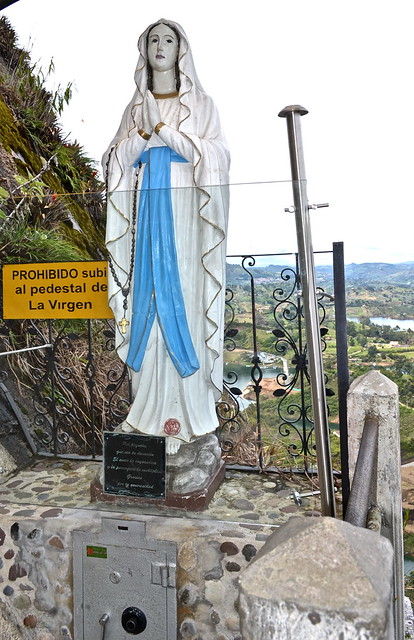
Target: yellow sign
[(56, 290)]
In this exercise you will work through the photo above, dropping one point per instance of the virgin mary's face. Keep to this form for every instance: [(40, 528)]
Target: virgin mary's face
[(162, 48)]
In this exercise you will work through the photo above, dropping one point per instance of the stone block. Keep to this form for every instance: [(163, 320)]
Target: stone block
[(315, 579), (375, 395)]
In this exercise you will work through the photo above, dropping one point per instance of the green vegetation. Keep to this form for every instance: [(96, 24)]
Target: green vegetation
[(51, 199), (369, 346)]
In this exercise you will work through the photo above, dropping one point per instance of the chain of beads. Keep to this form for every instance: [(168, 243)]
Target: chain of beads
[(125, 290)]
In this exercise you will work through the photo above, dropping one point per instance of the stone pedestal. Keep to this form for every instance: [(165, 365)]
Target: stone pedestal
[(193, 475)]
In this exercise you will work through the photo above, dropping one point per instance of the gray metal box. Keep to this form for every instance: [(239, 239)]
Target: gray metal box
[(124, 584)]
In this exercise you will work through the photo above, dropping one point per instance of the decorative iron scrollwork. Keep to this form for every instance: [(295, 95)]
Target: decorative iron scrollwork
[(292, 409)]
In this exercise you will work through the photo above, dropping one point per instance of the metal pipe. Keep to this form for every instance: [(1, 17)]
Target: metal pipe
[(364, 476), (342, 363), (307, 272), (42, 346)]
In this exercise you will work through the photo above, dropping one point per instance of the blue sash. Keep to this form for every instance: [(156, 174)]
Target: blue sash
[(157, 287)]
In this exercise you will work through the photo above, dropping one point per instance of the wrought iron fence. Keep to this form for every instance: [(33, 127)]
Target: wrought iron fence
[(278, 428), (78, 387)]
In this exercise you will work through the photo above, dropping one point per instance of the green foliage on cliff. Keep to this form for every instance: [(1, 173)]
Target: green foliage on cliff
[(51, 197)]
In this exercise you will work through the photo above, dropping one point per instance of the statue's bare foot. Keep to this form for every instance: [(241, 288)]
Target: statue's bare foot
[(172, 445)]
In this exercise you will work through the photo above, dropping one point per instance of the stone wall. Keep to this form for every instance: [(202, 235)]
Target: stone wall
[(36, 593)]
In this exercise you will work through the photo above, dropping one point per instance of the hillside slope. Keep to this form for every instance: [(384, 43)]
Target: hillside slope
[(51, 200)]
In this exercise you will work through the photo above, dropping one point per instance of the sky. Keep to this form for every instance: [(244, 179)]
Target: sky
[(348, 63)]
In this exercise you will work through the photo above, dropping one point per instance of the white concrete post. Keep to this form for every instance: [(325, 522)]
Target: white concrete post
[(317, 579), (373, 394)]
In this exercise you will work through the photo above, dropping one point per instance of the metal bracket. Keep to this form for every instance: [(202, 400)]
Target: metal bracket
[(318, 206), (297, 497), (292, 209)]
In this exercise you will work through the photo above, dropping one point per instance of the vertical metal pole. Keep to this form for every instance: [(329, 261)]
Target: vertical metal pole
[(342, 364), (51, 360), (310, 305), (256, 373), (90, 375)]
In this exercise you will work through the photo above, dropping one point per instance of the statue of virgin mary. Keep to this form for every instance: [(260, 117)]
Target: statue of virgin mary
[(167, 210)]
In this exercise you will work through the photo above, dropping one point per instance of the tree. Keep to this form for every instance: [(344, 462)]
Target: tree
[(372, 352), (362, 340)]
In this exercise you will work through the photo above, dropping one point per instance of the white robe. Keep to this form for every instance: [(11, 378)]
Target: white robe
[(199, 193)]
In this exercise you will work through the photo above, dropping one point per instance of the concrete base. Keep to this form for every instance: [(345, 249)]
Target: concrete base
[(192, 501)]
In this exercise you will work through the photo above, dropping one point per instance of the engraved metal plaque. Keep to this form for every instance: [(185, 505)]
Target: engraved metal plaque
[(134, 465)]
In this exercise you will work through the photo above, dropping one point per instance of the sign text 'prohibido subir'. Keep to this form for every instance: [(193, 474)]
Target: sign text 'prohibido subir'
[(56, 290)]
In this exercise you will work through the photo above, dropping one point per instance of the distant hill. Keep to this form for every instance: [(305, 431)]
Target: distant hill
[(379, 272), (401, 274)]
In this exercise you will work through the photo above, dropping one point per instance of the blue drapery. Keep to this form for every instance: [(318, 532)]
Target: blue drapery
[(157, 288)]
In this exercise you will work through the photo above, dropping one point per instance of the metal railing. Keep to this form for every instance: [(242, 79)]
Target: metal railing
[(79, 387)]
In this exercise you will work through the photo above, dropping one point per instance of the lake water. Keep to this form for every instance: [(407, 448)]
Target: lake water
[(408, 564), (244, 374), (390, 322)]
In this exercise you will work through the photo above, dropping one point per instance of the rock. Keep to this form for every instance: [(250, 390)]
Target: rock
[(194, 464), (273, 502), (243, 504), (229, 548), (215, 618), (22, 601), (215, 592), (215, 573), (206, 459), (51, 513), (260, 537), (187, 556), (249, 551), (30, 621), (210, 559), (291, 509), (254, 493), (232, 623), (284, 493), (189, 480), (232, 533), (57, 542), (25, 512), (231, 492), (188, 594), (274, 515), (188, 629), (16, 571), (220, 502)]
